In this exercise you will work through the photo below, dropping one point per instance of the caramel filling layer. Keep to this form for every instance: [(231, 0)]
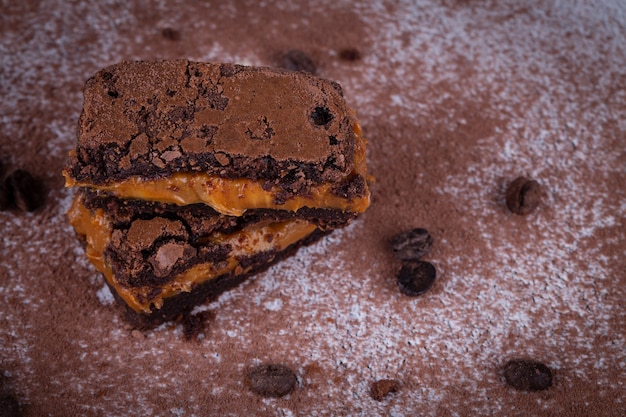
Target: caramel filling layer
[(245, 243), (234, 196)]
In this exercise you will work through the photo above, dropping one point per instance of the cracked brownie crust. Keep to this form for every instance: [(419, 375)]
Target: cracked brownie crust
[(152, 119)]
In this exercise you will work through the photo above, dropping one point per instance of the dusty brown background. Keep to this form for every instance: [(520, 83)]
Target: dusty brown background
[(457, 98)]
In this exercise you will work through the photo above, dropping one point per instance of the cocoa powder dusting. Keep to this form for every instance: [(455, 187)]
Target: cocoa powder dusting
[(455, 98)]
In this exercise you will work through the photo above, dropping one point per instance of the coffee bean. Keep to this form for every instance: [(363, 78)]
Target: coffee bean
[(412, 245), (27, 192), (415, 278), (296, 60), (383, 387), (9, 407), (271, 380), (6, 197), (350, 54), (525, 375), (523, 196)]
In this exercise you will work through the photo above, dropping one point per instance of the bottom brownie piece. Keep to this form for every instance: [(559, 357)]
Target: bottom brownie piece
[(177, 307), (161, 262)]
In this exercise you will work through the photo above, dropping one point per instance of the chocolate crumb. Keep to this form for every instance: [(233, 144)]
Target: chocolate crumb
[(526, 375), (296, 60), (170, 34), (271, 380), (415, 278), (194, 325), (383, 387), (412, 244), (9, 407), (137, 334), (523, 196), (349, 54), (27, 191)]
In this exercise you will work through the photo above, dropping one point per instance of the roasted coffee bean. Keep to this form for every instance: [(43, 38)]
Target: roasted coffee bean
[(383, 387), (412, 245), (523, 196), (271, 380), (9, 407), (27, 191), (415, 278), (6, 197), (296, 60), (350, 54), (525, 375)]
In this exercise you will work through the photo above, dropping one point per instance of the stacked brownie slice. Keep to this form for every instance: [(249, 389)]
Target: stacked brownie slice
[(192, 176)]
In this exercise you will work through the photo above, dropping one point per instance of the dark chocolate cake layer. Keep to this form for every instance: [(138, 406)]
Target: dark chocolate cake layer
[(151, 119)]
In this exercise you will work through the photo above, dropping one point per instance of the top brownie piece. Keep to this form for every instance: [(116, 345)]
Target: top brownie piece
[(151, 119)]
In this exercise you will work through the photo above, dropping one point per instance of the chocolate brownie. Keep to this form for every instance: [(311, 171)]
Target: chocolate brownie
[(193, 175)]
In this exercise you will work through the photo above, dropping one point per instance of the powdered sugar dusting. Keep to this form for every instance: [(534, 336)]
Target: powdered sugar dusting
[(457, 98)]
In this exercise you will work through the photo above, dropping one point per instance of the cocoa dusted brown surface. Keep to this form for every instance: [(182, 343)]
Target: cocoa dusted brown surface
[(457, 99), (153, 118)]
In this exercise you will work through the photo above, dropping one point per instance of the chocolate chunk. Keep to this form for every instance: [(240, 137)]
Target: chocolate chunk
[(170, 34), (350, 54), (296, 60), (415, 278), (412, 245), (28, 193), (523, 196), (526, 375), (6, 197), (144, 233), (383, 387), (9, 407), (168, 255), (271, 380)]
